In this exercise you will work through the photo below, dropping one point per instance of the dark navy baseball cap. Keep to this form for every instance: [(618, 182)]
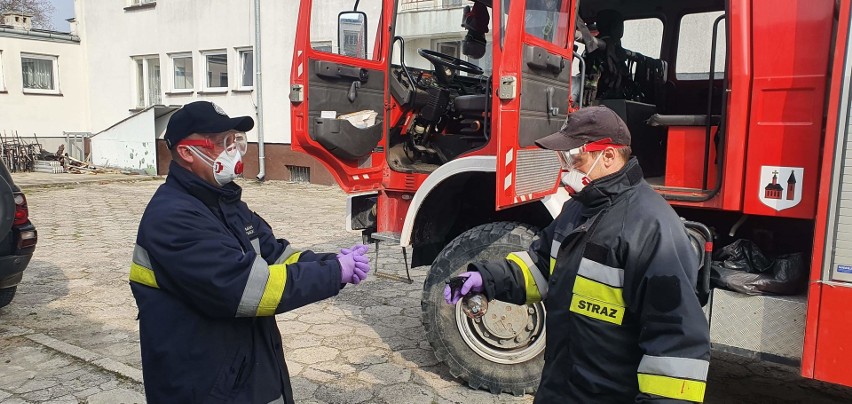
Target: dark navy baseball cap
[(587, 125), (202, 117)]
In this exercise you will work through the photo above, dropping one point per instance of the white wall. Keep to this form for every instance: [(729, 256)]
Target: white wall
[(128, 145), (44, 115), (112, 36)]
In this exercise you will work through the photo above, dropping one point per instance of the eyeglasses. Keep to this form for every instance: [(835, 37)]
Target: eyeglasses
[(568, 159), (233, 143)]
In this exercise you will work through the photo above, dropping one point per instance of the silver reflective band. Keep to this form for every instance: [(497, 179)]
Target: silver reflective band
[(554, 248), (255, 286), (255, 243), (140, 257), (602, 273), (279, 400), (540, 282), (288, 252), (680, 368)]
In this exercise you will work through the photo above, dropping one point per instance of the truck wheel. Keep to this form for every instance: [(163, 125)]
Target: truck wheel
[(6, 295), (503, 351)]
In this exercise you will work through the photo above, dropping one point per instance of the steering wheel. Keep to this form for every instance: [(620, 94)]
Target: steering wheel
[(440, 59)]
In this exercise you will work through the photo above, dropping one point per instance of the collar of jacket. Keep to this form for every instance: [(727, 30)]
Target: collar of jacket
[(602, 192), (202, 190)]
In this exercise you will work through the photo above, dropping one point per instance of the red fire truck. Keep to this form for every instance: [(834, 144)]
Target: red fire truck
[(426, 113)]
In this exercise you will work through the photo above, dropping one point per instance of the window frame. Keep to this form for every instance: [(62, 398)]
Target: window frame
[(241, 66), (662, 34), (172, 68), (146, 84), (55, 71), (205, 83), (2, 77)]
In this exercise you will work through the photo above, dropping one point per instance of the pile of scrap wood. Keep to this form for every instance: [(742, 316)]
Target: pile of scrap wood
[(75, 166)]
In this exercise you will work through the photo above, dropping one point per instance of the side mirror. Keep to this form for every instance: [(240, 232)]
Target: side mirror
[(352, 34)]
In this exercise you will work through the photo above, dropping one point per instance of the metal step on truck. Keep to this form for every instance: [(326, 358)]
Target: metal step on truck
[(426, 113)]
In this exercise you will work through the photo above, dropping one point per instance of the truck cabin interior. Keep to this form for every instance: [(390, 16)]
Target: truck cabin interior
[(631, 53), (651, 62)]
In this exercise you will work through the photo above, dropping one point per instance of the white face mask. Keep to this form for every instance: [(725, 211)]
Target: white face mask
[(226, 168), (576, 180)]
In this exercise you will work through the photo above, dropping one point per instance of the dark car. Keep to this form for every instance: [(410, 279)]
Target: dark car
[(18, 235)]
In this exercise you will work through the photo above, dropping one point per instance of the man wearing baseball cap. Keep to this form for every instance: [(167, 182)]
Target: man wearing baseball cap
[(209, 275), (617, 275)]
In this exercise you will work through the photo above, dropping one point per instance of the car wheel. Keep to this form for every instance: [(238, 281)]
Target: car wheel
[(503, 351), (6, 295)]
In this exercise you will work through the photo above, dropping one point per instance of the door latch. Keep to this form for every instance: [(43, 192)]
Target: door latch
[(551, 110), (296, 93)]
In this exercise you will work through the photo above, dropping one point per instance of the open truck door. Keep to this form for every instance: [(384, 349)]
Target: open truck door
[(532, 94), (338, 85)]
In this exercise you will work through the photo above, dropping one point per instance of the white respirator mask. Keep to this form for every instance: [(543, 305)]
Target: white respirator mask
[(575, 180), (229, 164)]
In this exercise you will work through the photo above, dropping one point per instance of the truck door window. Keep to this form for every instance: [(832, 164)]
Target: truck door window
[(351, 41), (644, 36), (694, 45), (548, 20)]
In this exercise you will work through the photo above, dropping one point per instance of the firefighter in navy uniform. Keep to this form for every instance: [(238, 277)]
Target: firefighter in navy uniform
[(208, 274), (616, 273)]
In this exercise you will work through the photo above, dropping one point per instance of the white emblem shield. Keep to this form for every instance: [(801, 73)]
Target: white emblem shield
[(781, 187)]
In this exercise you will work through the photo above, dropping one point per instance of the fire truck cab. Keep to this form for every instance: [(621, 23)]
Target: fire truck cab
[(426, 112)]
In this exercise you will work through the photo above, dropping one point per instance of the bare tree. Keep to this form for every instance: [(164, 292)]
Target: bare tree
[(41, 10)]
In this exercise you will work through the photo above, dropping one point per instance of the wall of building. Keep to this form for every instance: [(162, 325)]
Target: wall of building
[(128, 145), (44, 115)]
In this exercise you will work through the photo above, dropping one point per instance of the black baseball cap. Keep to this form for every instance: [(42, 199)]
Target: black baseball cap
[(587, 125), (202, 117)]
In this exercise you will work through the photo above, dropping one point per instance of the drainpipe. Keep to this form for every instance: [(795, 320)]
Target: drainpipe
[(258, 88)]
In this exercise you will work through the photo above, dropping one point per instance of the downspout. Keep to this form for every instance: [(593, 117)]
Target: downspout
[(258, 87)]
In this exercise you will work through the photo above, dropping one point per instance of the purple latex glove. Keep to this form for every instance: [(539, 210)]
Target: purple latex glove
[(472, 284), (357, 249), (353, 267)]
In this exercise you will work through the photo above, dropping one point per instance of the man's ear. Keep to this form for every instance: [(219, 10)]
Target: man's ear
[(609, 157), (185, 154)]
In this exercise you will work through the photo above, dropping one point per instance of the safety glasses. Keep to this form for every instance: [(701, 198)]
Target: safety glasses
[(568, 158), (232, 144)]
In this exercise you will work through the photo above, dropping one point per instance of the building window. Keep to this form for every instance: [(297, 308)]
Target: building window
[(148, 89), (246, 68), (217, 70), (183, 78), (449, 48), (322, 46), (40, 73), (2, 81)]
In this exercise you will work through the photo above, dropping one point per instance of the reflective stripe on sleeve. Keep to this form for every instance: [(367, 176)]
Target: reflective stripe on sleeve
[(673, 377), (289, 256), (670, 387), (602, 273), (255, 243), (534, 282), (255, 288), (683, 368), (140, 268), (274, 290)]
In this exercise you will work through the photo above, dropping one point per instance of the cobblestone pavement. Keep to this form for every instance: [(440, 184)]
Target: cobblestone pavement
[(70, 335)]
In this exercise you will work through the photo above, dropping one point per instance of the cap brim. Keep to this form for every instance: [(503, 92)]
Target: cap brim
[(240, 123), (559, 142)]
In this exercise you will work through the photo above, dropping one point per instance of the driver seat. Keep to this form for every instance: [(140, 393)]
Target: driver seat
[(475, 103)]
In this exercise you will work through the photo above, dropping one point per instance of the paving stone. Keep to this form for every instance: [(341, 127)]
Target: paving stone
[(365, 356), (313, 355), (116, 396), (330, 330), (406, 393), (385, 373), (345, 391)]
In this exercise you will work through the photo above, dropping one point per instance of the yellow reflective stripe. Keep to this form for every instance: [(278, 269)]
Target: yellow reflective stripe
[(142, 275), (293, 258), (671, 387), (273, 291), (597, 309), (533, 295), (598, 291), (552, 264)]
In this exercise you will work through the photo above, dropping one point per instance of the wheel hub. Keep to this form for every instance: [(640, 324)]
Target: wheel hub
[(507, 333)]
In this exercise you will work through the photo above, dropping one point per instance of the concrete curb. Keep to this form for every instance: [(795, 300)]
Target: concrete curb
[(93, 181), (87, 356)]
